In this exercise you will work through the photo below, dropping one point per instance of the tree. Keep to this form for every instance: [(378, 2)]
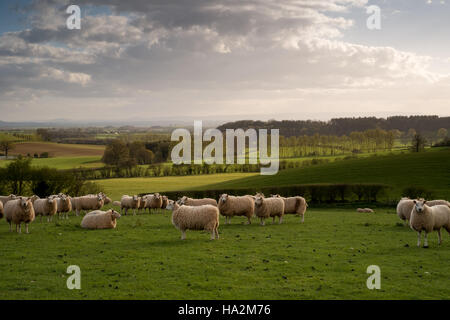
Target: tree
[(18, 173), (116, 153), (442, 133), (6, 145), (418, 143)]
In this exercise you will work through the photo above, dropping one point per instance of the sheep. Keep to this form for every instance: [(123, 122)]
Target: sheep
[(153, 201), (45, 207), (5, 199), (204, 217), (18, 211), (100, 219), (34, 198), (64, 206), (404, 208), (433, 203), (269, 207), (425, 218), (128, 202), (197, 202), (142, 201), (296, 205), (230, 206), (89, 202), (1, 210), (365, 210), (116, 203), (165, 201)]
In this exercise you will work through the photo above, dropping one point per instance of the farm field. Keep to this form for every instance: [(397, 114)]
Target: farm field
[(430, 169), (115, 188), (63, 162), (57, 149), (324, 258)]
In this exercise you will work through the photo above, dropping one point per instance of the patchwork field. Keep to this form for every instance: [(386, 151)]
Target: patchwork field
[(324, 258), (57, 149)]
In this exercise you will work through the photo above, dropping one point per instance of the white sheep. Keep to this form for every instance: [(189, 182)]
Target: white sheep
[(269, 207), (364, 210), (64, 206), (18, 211), (153, 201), (294, 205), (230, 206), (404, 208), (165, 202), (425, 218), (100, 219), (116, 203), (128, 202), (204, 217), (432, 203), (89, 202), (45, 207), (5, 199), (197, 202)]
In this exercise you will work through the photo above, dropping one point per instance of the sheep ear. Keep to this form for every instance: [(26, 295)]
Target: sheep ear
[(425, 201), (415, 201)]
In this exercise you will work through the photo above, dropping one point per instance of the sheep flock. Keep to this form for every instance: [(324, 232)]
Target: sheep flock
[(202, 214)]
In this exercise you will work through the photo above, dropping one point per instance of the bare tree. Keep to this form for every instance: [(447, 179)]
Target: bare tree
[(418, 143), (6, 145)]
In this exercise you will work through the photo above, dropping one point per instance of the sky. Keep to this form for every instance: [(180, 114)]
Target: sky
[(223, 60)]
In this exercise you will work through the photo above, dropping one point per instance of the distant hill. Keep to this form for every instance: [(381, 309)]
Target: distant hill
[(341, 126)]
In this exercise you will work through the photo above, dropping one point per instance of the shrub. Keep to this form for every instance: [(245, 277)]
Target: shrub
[(417, 192)]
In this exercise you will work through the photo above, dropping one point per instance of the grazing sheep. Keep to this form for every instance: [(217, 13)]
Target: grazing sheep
[(197, 202), (1, 210), (296, 205), (153, 201), (404, 208), (128, 202), (142, 201), (100, 219), (5, 199), (269, 207), (433, 203), (18, 211), (165, 201), (365, 210), (89, 202), (425, 218), (45, 207), (230, 206), (204, 217)]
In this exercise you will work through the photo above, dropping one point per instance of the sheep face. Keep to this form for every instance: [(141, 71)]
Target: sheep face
[(115, 214), (157, 196), (259, 200), (223, 198), (419, 205), (135, 198), (170, 205), (50, 200)]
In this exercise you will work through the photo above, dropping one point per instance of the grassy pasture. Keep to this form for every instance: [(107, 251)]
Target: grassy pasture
[(324, 258), (63, 162)]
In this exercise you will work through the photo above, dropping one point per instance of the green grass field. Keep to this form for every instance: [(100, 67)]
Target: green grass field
[(63, 162), (430, 169), (324, 258)]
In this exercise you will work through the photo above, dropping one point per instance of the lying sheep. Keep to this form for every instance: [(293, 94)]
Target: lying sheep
[(204, 217), (296, 205), (404, 208), (5, 199), (45, 207), (89, 202), (425, 218), (365, 210), (269, 207), (230, 206), (18, 211), (153, 201), (197, 202), (100, 219), (128, 202), (116, 203)]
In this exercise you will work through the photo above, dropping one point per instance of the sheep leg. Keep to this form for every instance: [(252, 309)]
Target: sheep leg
[(10, 226), (213, 234), (273, 220), (26, 228), (425, 241), (217, 232), (280, 219), (20, 228), (183, 234), (303, 218), (439, 236), (248, 221), (134, 212), (418, 238), (262, 222)]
